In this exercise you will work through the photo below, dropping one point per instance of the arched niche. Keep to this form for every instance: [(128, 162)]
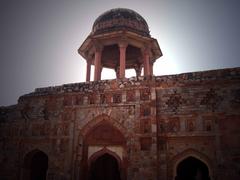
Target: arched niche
[(104, 137), (102, 119), (192, 168), (35, 166), (176, 160), (106, 165), (104, 133)]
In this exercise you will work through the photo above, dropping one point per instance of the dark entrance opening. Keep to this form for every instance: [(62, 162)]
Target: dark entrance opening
[(39, 166), (36, 165), (105, 168), (192, 169)]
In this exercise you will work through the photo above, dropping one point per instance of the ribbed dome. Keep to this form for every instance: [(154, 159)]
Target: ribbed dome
[(120, 19)]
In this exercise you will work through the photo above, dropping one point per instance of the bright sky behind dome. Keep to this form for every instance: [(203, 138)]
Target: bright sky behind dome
[(39, 39)]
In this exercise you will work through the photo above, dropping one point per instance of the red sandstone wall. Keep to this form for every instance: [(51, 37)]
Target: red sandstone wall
[(163, 120), (58, 121), (199, 115)]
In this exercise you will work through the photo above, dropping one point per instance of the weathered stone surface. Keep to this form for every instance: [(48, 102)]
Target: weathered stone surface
[(194, 114)]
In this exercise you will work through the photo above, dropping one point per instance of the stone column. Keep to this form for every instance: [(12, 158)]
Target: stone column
[(88, 74), (122, 49), (151, 68), (146, 61), (97, 63)]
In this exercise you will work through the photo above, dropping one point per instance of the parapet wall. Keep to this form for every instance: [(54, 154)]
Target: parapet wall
[(192, 78)]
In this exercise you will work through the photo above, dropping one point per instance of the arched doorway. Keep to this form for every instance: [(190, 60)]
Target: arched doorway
[(103, 139), (35, 166), (192, 169), (105, 167)]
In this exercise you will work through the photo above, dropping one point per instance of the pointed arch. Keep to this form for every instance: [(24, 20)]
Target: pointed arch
[(29, 155), (186, 154), (105, 163), (190, 168), (35, 165), (103, 151), (103, 132), (103, 118)]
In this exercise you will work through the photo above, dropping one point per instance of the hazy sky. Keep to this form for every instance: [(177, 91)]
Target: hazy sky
[(39, 38)]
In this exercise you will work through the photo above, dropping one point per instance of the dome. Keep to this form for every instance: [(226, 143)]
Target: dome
[(120, 19)]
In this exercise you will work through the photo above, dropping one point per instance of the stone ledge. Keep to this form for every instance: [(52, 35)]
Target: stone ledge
[(201, 76), (118, 84)]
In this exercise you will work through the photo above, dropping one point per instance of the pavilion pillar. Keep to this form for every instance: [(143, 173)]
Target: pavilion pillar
[(146, 61), (122, 49), (97, 64), (88, 74), (151, 68)]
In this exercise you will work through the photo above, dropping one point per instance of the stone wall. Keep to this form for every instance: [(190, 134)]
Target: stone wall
[(56, 120), (197, 116), (154, 123)]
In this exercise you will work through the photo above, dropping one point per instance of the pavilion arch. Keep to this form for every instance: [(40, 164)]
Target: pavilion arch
[(35, 165), (176, 160)]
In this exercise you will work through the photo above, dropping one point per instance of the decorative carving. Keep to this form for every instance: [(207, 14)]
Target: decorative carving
[(132, 24), (131, 96), (171, 125), (190, 126), (117, 98), (174, 101), (145, 94), (105, 133), (208, 124), (174, 125), (211, 100)]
